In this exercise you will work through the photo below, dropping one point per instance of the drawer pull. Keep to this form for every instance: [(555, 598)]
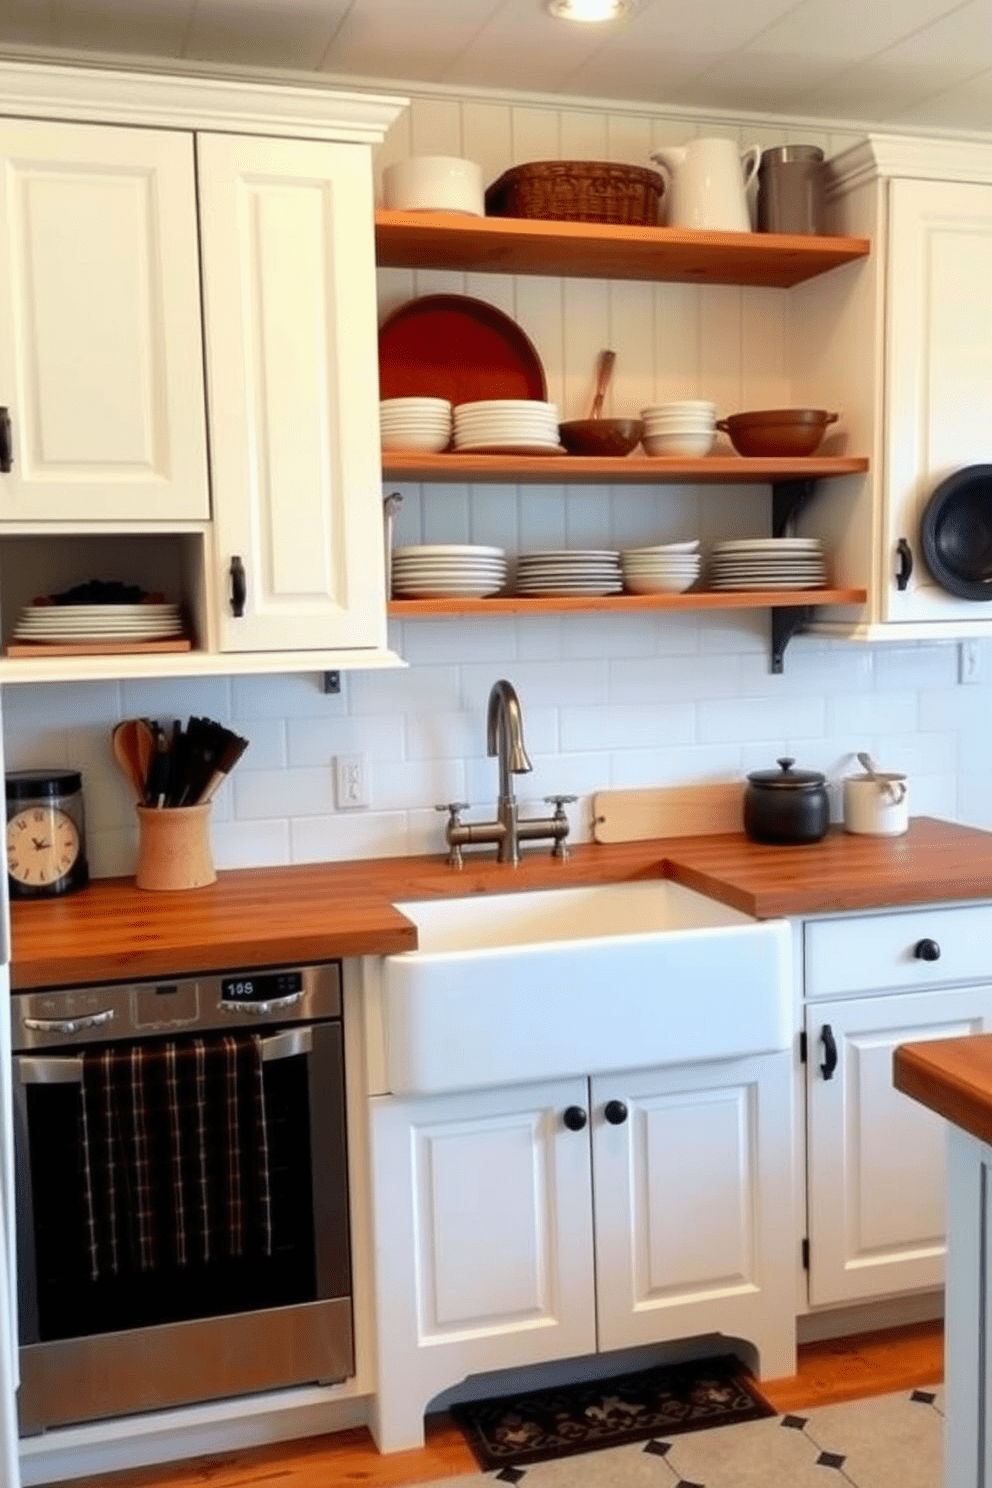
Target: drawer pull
[(830, 1052), (926, 950), (574, 1118)]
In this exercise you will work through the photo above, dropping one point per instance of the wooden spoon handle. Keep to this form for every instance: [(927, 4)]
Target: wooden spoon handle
[(606, 360)]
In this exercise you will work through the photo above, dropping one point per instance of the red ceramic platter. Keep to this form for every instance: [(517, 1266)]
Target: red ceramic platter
[(459, 348)]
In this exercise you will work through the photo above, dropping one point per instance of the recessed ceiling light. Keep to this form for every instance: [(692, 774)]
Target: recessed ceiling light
[(589, 10)]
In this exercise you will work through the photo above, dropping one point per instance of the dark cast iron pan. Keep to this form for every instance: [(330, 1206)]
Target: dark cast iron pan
[(956, 532)]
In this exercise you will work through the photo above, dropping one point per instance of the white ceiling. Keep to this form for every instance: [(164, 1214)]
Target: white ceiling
[(899, 63)]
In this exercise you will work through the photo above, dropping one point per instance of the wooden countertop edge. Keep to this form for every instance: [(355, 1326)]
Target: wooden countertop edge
[(952, 1077), (310, 912)]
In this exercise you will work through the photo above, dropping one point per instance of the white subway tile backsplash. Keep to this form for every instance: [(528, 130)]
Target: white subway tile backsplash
[(752, 719), (295, 695), (282, 794), (313, 742), (699, 764), (320, 839), (664, 678), (631, 726)]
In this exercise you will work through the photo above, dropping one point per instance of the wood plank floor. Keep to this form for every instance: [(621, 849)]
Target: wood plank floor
[(835, 1370)]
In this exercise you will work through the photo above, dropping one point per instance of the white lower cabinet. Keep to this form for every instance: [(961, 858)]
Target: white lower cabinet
[(542, 1222), (875, 1158)]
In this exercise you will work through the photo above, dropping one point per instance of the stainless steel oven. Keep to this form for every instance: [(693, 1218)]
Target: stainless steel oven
[(182, 1208)]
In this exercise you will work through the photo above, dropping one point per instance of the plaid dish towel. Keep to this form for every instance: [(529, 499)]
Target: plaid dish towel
[(174, 1154)]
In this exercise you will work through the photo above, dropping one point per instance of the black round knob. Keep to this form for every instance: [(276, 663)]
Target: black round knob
[(615, 1112), (574, 1118), (926, 950)]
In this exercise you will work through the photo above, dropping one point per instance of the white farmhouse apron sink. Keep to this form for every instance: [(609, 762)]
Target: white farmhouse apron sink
[(535, 985)]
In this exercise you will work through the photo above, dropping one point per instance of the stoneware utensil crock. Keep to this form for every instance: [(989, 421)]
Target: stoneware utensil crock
[(876, 805), (786, 805)]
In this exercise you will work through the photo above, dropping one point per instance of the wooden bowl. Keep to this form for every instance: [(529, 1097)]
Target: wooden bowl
[(777, 431), (609, 437)]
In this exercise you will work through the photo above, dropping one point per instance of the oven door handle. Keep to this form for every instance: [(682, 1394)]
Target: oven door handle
[(55, 1070), (260, 1009), (69, 1025)]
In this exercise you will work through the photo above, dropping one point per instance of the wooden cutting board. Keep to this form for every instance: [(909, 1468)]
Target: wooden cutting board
[(667, 811)]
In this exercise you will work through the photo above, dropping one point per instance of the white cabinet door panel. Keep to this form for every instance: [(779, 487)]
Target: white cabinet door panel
[(693, 1206), (482, 1210), (938, 366), (101, 361), (289, 306), (876, 1158)]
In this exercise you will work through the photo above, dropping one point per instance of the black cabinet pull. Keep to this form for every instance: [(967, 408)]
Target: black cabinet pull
[(905, 570), (574, 1118), (615, 1112), (830, 1052), (6, 441), (926, 950), (239, 587)]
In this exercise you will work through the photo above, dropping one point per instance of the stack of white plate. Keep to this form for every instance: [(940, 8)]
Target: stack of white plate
[(768, 563), (669, 568), (507, 426), (440, 570), (59, 624), (415, 424), (569, 571), (683, 430)]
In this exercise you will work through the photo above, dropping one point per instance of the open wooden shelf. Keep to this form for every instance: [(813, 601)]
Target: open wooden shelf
[(587, 250), (704, 599), (631, 470)]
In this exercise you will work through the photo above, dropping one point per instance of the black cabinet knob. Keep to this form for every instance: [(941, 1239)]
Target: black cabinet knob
[(615, 1112), (926, 950), (574, 1118)]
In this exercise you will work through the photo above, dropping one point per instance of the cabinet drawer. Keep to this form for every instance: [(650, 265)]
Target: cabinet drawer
[(871, 952)]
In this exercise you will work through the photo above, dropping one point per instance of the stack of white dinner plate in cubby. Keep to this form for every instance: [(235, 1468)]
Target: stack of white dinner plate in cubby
[(507, 426), (415, 424), (447, 570), (768, 563), (669, 568), (569, 571)]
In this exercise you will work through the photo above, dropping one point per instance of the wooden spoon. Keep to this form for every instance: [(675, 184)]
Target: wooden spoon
[(606, 360), (127, 752)]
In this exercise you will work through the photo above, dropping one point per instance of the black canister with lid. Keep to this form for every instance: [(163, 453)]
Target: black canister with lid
[(790, 189), (786, 805)]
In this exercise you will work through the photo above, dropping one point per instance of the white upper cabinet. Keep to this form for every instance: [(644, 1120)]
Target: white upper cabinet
[(290, 317), (101, 363)]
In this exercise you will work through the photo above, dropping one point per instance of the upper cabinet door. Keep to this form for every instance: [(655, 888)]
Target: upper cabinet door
[(938, 369), (101, 363), (292, 379)]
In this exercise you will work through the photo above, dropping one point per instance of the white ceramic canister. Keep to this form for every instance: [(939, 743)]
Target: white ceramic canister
[(434, 183), (876, 807)]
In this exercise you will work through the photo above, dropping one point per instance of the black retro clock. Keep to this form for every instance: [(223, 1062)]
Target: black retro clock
[(46, 841)]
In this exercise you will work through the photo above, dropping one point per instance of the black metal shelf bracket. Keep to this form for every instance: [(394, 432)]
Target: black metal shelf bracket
[(787, 621), (788, 499)]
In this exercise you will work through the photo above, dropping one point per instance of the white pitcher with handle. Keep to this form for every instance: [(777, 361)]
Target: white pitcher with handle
[(707, 181)]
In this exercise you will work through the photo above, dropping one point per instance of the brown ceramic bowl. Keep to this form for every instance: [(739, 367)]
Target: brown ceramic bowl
[(600, 436), (777, 431)]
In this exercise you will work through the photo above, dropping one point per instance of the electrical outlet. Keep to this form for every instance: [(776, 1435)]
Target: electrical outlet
[(970, 662), (350, 787)]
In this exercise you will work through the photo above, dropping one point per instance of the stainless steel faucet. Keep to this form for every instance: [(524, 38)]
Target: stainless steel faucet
[(505, 741)]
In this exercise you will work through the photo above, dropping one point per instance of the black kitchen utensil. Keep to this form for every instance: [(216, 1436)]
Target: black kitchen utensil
[(956, 532)]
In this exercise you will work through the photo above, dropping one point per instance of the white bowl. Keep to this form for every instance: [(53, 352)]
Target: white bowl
[(414, 439), (690, 445), (421, 405), (501, 405), (659, 584), (688, 405), (434, 183)]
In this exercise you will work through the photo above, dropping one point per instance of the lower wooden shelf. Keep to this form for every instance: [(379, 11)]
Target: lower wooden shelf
[(734, 599)]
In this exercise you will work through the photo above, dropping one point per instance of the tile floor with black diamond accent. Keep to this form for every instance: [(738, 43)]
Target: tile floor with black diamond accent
[(886, 1441)]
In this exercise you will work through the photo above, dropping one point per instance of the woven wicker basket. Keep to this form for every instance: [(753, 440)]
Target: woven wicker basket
[(578, 191)]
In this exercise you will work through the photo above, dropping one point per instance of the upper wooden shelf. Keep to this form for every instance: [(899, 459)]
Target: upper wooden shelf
[(631, 470), (586, 250)]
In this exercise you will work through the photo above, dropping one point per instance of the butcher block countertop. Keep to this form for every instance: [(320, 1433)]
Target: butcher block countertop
[(952, 1077), (253, 917)]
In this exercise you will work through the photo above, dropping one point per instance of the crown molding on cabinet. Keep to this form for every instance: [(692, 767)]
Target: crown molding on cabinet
[(881, 156), (252, 104)]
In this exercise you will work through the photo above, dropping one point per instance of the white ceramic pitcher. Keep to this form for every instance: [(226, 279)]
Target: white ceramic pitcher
[(707, 181)]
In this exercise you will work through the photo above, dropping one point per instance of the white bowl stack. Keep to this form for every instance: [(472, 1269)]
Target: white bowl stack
[(569, 571), (415, 424), (510, 426), (448, 570), (669, 568), (683, 430), (768, 563)]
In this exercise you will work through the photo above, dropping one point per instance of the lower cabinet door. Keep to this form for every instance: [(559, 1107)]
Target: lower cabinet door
[(876, 1158), (482, 1212), (694, 1203)]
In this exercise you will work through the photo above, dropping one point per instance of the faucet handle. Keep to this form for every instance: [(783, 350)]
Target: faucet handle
[(560, 823), (560, 802), (454, 810)]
